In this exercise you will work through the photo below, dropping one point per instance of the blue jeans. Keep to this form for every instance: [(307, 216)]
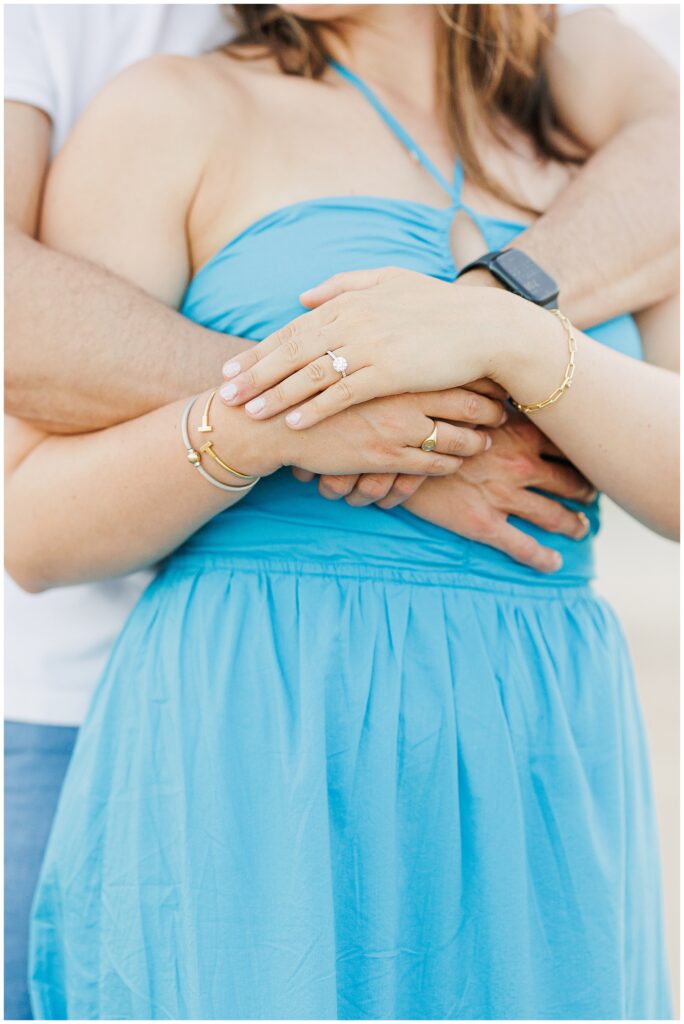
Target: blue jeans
[(36, 760)]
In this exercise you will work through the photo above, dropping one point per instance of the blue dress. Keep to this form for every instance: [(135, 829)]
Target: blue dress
[(344, 763)]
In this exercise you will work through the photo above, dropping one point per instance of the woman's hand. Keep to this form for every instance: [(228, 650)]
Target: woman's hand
[(387, 490), (476, 501), (398, 331), (384, 436)]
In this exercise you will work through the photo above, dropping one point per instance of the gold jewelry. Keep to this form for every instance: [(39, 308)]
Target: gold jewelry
[(208, 449), (205, 427), (195, 459), (569, 370), (430, 441)]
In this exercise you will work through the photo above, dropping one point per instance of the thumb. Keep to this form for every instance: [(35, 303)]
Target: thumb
[(352, 281)]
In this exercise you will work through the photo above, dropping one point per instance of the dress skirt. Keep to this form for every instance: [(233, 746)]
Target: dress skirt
[(316, 791)]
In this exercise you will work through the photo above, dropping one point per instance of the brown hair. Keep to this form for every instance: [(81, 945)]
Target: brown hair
[(490, 72)]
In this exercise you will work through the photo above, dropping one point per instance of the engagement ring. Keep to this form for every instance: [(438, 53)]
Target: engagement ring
[(339, 363)]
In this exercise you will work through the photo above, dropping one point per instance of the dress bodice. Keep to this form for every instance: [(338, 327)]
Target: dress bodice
[(250, 288)]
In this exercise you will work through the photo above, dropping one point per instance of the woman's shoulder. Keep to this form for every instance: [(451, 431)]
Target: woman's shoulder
[(168, 91), (169, 96), (162, 113)]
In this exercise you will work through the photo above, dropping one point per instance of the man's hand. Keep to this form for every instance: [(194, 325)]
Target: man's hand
[(383, 489), (475, 502), (387, 490)]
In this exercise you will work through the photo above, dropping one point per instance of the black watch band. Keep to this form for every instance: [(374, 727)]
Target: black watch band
[(520, 275)]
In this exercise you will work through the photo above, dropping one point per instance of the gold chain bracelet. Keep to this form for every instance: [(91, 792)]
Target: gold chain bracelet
[(569, 370)]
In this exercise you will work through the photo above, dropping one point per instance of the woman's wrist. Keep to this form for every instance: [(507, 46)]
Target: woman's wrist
[(252, 447), (529, 351)]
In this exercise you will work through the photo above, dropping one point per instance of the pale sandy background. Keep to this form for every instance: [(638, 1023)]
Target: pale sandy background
[(639, 573)]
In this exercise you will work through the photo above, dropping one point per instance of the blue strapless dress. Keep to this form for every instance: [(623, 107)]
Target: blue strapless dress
[(346, 764)]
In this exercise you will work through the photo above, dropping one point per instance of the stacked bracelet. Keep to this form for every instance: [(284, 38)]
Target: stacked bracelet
[(195, 458), (569, 370)]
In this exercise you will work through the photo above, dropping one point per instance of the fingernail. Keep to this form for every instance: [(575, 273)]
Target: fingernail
[(556, 561), (488, 442), (585, 523), (231, 369), (256, 405), (228, 391), (293, 418), (503, 419)]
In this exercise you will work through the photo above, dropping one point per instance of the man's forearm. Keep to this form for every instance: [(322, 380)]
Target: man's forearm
[(85, 349), (611, 238)]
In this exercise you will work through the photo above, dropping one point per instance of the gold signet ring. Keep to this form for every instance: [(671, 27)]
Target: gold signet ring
[(430, 442)]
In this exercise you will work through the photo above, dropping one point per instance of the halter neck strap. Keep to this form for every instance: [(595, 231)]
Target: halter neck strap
[(454, 191)]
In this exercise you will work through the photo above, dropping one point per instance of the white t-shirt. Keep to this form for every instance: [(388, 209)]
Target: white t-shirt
[(56, 58)]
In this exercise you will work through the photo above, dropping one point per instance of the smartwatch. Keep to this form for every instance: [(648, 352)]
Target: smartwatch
[(519, 274)]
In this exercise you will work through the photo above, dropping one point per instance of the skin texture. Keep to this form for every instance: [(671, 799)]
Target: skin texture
[(523, 347), (195, 108), (618, 248), (84, 348)]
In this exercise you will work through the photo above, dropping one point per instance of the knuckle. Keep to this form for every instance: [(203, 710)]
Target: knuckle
[(576, 486), (342, 391), (522, 467), (371, 487), (555, 518), (385, 452), (288, 339), (316, 372), (482, 524), (291, 350), (286, 333), (278, 396), (404, 486), (252, 379), (458, 442), (526, 549), (335, 484), (438, 466), (472, 407), (330, 316), (500, 490), (495, 411), (387, 421)]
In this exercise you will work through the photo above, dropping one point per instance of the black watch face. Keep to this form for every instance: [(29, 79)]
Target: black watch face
[(522, 275)]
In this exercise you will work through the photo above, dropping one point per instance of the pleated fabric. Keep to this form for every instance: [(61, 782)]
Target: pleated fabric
[(324, 795), (347, 764)]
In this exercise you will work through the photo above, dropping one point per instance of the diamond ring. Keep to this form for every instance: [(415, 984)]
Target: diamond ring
[(340, 364)]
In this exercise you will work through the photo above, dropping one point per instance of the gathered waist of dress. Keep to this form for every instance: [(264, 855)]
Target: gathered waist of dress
[(286, 526)]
